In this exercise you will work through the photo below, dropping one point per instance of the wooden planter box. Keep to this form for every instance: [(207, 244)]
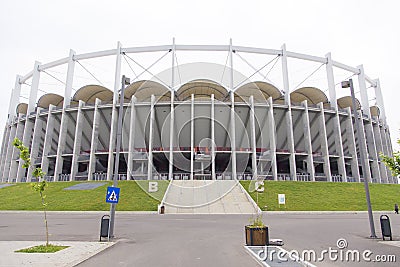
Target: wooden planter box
[(256, 236)]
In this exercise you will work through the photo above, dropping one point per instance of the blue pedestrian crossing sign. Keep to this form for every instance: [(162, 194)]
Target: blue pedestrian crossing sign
[(112, 194)]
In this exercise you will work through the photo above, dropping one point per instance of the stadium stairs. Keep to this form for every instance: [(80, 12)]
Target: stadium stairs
[(207, 197)]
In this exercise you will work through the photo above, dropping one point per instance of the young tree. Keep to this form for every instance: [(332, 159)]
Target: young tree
[(393, 163), (40, 184)]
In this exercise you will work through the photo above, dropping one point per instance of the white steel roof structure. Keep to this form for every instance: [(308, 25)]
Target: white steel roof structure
[(172, 48), (301, 132)]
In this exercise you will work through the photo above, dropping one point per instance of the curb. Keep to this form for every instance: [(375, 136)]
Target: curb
[(324, 212), (74, 212), (155, 212)]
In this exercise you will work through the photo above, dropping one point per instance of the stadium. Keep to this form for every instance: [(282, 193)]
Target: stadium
[(222, 112)]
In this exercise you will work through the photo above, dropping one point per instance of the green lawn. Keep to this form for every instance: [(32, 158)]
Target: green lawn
[(300, 196), (42, 249), (322, 196), (132, 197)]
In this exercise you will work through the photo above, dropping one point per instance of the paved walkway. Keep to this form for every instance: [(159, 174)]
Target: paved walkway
[(75, 254), (207, 197)]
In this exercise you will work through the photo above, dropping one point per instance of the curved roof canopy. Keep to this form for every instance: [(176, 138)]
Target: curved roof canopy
[(261, 91), (201, 89), (89, 93), (345, 102), (375, 111), (143, 90), (311, 94), (50, 99), (22, 108)]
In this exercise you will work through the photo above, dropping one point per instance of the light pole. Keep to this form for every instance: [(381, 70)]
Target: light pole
[(349, 84), (124, 81)]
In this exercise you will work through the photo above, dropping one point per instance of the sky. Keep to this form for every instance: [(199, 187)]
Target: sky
[(354, 31)]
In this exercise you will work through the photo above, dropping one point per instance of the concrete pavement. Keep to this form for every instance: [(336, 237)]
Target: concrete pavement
[(76, 253), (202, 240)]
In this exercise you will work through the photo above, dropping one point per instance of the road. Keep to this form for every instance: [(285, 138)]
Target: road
[(201, 240)]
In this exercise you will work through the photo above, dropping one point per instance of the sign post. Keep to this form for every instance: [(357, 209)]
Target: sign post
[(112, 197), (124, 81)]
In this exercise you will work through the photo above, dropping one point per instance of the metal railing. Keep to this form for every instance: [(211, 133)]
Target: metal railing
[(284, 177), (303, 177), (62, 177), (337, 178)]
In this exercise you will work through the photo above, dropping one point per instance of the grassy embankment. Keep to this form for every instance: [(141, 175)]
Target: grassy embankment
[(322, 196), (132, 197), (300, 196)]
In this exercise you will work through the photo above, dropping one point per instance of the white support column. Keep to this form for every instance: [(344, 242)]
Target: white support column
[(390, 149), (285, 75), (369, 131), (62, 141), (94, 140), (77, 141), (117, 77), (31, 108), (253, 138), (324, 143), (15, 94), (379, 147), (213, 137), (389, 140), (26, 139), (10, 148), (379, 100), (339, 145), (289, 119), (48, 139), (15, 153), (114, 114), (37, 130), (308, 143), (386, 151), (171, 136), (131, 144), (366, 175), (233, 136), (272, 138), (113, 138), (70, 79), (290, 137), (3, 144), (6, 137), (331, 81), (233, 128), (336, 128), (7, 142), (368, 128), (363, 91), (352, 145), (172, 115), (192, 138), (151, 131), (34, 88)]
